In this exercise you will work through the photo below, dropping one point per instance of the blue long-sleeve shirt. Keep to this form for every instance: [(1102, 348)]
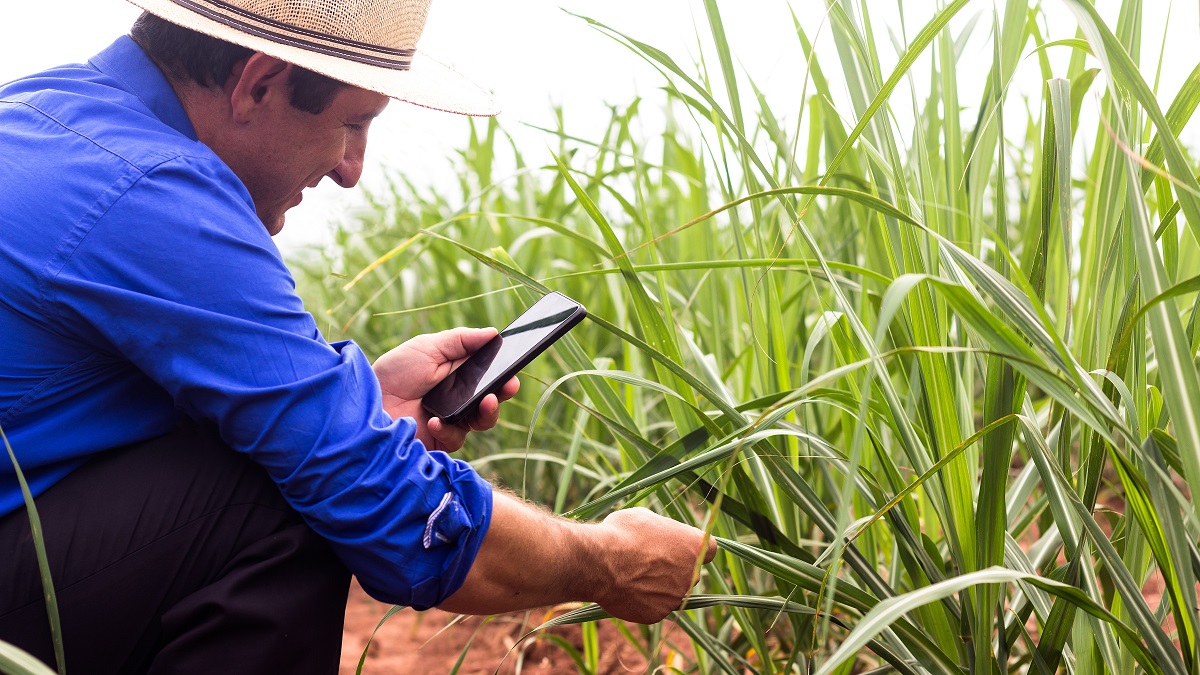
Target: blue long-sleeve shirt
[(137, 284)]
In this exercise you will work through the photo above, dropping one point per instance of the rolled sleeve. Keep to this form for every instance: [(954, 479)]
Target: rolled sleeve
[(180, 278), (444, 543)]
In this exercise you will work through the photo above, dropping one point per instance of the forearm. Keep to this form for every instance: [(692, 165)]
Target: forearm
[(531, 559), (637, 565)]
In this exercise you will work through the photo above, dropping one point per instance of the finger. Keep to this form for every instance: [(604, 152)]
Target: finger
[(450, 436), (488, 414), (712, 548), (509, 390)]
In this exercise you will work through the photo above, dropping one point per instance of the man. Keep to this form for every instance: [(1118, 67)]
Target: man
[(206, 466)]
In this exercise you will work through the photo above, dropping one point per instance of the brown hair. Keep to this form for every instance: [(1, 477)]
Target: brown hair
[(207, 61)]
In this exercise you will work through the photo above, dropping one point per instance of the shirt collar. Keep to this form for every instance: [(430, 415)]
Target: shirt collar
[(125, 62)]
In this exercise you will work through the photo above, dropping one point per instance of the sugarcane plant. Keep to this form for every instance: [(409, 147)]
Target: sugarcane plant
[(932, 385)]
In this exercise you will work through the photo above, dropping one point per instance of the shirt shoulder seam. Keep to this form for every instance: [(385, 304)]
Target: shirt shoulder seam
[(73, 130), (158, 159)]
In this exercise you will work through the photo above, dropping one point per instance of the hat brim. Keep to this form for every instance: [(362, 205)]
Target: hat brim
[(427, 82)]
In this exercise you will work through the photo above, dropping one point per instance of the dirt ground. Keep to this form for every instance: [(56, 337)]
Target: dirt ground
[(410, 642)]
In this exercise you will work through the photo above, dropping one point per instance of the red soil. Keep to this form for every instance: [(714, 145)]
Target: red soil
[(410, 642)]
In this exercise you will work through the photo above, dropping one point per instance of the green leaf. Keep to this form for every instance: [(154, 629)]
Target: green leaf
[(39, 547)]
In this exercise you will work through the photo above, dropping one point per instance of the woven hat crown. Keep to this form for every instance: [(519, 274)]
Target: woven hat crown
[(388, 23), (382, 33)]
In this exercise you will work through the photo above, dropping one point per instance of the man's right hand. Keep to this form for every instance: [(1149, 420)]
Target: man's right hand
[(637, 565), (409, 371), (653, 563)]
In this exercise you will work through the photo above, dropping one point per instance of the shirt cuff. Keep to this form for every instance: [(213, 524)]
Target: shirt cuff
[(453, 532)]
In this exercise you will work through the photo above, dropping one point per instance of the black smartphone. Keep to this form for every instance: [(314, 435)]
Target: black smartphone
[(485, 371)]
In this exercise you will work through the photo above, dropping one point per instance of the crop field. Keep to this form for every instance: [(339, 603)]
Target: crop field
[(931, 383)]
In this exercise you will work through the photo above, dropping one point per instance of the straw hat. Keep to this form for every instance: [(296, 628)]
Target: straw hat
[(367, 43)]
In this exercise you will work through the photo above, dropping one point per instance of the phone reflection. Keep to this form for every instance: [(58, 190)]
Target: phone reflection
[(502, 351), (465, 380), (537, 322), (489, 368)]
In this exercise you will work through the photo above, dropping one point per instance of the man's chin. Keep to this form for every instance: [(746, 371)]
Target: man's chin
[(274, 224)]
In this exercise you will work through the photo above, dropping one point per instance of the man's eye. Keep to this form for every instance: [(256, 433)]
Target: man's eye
[(356, 127)]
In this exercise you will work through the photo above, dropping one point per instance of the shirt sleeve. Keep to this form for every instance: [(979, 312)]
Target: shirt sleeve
[(180, 277)]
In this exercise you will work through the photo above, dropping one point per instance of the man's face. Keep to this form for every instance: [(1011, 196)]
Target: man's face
[(290, 150)]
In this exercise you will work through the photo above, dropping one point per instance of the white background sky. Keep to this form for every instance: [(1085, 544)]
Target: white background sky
[(534, 55)]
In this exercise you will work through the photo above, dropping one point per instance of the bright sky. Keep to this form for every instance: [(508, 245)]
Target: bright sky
[(534, 55)]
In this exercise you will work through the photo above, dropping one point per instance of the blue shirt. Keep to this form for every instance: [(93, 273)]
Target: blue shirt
[(137, 284)]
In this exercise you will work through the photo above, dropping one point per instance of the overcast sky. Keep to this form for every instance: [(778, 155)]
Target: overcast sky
[(534, 55)]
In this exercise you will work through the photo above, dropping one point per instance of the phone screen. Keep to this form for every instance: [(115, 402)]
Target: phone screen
[(521, 341)]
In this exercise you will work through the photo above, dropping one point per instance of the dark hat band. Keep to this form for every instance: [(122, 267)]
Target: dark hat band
[(275, 31)]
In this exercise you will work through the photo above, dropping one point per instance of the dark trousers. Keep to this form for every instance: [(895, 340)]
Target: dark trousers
[(177, 555)]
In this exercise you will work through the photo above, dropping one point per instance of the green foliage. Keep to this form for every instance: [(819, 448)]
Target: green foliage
[(934, 388), (13, 659)]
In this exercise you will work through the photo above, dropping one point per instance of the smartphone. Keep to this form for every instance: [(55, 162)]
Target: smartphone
[(485, 371)]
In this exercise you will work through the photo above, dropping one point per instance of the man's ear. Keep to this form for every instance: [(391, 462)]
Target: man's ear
[(255, 83)]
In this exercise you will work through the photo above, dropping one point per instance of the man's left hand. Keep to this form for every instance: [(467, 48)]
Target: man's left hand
[(409, 371)]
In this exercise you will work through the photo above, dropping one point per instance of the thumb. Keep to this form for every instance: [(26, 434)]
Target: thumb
[(458, 343)]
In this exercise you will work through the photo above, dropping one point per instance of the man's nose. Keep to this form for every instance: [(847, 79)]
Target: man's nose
[(349, 170)]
